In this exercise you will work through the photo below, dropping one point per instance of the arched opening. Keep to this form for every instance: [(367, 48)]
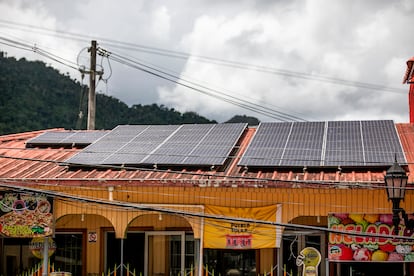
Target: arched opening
[(154, 244), (76, 236)]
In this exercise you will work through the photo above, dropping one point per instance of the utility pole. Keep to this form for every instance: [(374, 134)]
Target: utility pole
[(92, 84)]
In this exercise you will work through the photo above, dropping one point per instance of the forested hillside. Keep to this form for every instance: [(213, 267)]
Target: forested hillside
[(35, 96)]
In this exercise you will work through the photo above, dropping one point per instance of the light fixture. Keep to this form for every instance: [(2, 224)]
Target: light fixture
[(396, 181)]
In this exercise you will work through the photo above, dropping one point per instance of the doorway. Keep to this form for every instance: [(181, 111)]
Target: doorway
[(133, 251), (292, 244), (164, 253)]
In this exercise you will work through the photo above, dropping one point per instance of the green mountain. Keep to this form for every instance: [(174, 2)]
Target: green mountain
[(35, 96), (251, 121)]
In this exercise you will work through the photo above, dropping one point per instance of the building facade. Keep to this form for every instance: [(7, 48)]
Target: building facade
[(234, 218)]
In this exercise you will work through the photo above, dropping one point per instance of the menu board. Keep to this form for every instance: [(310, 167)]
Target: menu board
[(25, 215)]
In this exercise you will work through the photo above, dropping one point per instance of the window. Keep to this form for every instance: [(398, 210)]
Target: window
[(68, 254)]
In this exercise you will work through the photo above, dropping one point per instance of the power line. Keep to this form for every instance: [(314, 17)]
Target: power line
[(143, 207), (260, 103), (210, 176), (166, 76), (35, 49), (204, 90), (193, 57)]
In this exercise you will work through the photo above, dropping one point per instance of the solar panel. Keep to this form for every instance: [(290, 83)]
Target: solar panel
[(126, 144), (216, 145), (267, 146), (66, 138), (179, 145), (381, 143), (324, 144), (304, 144), (204, 144), (344, 144)]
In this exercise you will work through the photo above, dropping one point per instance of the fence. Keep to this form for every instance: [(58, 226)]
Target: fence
[(37, 270)]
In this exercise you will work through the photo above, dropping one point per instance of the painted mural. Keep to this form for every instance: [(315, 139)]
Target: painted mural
[(25, 215), (369, 248)]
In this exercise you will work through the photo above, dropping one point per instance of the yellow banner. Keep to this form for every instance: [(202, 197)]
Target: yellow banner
[(227, 234)]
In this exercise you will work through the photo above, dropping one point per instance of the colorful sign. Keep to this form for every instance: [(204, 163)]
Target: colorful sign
[(373, 248), (227, 234), (310, 258), (37, 246), (25, 215)]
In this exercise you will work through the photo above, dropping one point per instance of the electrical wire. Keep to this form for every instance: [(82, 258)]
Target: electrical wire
[(259, 102), (192, 57), (35, 49), (144, 207), (216, 177), (169, 77), (204, 90)]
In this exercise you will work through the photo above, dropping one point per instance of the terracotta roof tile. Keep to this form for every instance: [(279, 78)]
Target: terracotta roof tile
[(24, 168)]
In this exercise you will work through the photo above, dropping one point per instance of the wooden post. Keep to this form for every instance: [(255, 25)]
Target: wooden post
[(92, 84)]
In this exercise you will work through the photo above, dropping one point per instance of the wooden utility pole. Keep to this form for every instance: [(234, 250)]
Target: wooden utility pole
[(92, 84)]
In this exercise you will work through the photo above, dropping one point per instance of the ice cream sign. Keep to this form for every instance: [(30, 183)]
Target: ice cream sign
[(344, 247), (25, 215), (309, 258)]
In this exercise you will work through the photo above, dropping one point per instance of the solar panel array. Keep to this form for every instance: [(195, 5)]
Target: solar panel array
[(330, 144), (66, 138), (192, 144)]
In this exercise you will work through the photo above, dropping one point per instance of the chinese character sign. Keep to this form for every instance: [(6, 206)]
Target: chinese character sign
[(227, 234), (344, 247), (25, 215)]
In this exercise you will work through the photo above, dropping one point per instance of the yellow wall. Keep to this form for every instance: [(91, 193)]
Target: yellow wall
[(296, 202)]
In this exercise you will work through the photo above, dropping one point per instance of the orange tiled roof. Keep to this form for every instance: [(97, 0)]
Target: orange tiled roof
[(18, 163)]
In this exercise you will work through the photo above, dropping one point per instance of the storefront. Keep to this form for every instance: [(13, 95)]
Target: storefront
[(232, 220), (375, 252)]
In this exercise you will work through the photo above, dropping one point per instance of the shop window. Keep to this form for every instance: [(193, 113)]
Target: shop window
[(369, 269), (16, 256), (292, 245), (68, 254), (175, 253), (133, 254), (230, 262)]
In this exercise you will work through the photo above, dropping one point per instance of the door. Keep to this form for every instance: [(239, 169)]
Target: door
[(293, 243), (129, 251), (165, 253)]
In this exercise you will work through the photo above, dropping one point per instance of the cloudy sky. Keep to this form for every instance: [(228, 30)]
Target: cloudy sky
[(274, 60)]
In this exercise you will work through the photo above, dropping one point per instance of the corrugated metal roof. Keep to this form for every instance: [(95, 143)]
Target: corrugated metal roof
[(18, 163)]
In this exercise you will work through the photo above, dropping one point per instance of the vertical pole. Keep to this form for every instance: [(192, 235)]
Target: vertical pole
[(92, 83), (45, 256), (198, 268), (411, 103), (327, 266), (122, 257)]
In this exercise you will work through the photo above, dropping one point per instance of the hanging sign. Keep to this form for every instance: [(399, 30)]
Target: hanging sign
[(344, 247), (309, 258), (227, 234), (25, 215)]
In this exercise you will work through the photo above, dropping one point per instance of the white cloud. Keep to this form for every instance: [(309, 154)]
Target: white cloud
[(360, 41), (160, 23)]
